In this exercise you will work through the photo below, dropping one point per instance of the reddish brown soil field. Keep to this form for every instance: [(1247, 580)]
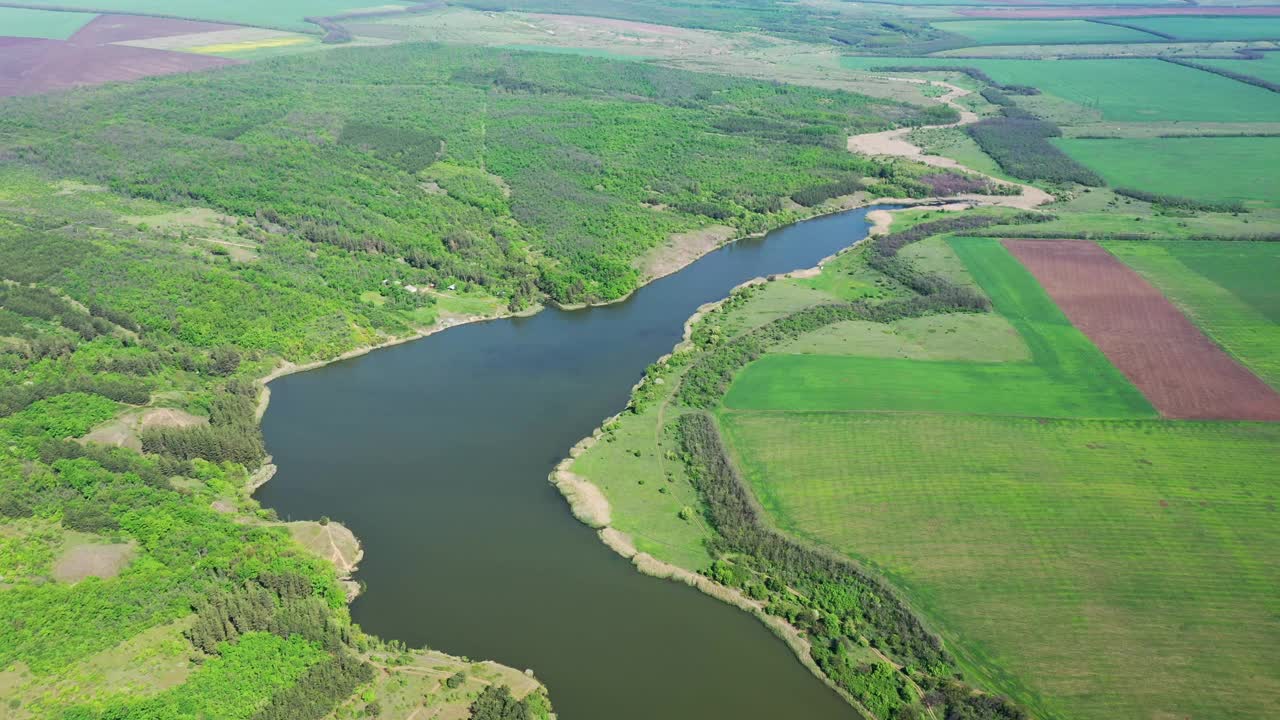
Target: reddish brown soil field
[(1182, 372), (118, 28), (1113, 11), (30, 67)]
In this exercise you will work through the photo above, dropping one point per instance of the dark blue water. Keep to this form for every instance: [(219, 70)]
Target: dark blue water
[(436, 454)]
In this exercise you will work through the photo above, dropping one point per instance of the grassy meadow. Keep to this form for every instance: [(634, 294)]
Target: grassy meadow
[(1226, 288), (1092, 569), (1204, 168), (25, 22), (1066, 377)]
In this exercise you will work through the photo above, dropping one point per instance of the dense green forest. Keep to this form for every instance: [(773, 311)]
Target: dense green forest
[(519, 173)]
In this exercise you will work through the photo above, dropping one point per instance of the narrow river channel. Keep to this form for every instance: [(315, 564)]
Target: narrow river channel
[(436, 454)]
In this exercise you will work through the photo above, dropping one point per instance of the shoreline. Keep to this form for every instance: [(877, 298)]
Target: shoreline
[(590, 506)]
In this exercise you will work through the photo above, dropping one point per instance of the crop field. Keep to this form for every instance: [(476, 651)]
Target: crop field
[(1227, 288), (1041, 32), (1066, 377), (1212, 28), (1267, 67), (1210, 168), (24, 22), (94, 55), (286, 14), (1123, 90), (1182, 372), (1090, 569)]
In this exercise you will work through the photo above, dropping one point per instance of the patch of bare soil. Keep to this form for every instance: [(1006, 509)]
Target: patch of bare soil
[(1180, 370), (894, 143), (92, 560), (682, 249), (124, 430)]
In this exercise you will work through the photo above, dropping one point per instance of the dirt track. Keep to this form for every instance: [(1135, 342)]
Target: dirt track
[(894, 143), (1180, 371), (90, 57)]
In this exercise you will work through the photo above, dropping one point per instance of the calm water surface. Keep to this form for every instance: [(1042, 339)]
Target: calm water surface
[(436, 454)]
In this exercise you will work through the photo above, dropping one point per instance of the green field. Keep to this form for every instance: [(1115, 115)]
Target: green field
[(1228, 288), (1266, 68), (1091, 569), (1217, 169), (1123, 90), (1066, 377), (286, 14), (24, 22), (1041, 32), (1212, 28)]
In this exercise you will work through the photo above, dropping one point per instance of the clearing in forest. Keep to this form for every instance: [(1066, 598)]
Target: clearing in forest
[(1182, 372)]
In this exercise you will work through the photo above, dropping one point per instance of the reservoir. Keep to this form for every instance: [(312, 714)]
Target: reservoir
[(436, 453)]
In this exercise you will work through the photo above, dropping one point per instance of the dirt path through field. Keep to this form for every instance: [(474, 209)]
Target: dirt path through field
[(894, 143)]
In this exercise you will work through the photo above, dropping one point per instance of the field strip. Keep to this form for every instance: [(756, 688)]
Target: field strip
[(220, 40), (1181, 371)]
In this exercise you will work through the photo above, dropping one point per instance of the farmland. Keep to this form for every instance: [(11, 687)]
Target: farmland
[(284, 14), (1017, 535), (1136, 89), (1212, 28), (23, 22), (1227, 289), (1266, 67), (1217, 169), (1067, 376), (1041, 32), (1176, 367)]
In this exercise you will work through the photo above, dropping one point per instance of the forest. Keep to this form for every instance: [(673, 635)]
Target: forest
[(579, 155)]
